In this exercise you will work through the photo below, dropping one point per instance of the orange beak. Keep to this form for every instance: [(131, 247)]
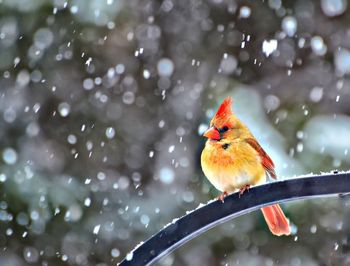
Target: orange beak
[(212, 133)]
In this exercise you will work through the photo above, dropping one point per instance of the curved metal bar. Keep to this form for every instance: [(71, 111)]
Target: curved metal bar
[(202, 219)]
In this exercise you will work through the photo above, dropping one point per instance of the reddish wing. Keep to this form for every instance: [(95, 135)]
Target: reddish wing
[(265, 159)]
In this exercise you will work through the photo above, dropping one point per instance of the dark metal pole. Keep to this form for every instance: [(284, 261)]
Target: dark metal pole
[(216, 212)]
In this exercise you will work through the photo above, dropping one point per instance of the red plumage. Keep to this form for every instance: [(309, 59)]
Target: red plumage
[(265, 159), (234, 160), (225, 108)]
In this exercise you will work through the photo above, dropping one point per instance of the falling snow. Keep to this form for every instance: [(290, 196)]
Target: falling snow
[(289, 25), (318, 46), (103, 106), (268, 47), (342, 60), (96, 229)]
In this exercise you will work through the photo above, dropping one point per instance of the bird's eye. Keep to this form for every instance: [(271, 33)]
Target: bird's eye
[(225, 146), (223, 129)]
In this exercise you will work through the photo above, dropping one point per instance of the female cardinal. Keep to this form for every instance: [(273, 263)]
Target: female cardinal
[(233, 160)]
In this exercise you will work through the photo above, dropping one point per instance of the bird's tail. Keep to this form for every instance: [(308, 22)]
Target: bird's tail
[(276, 220)]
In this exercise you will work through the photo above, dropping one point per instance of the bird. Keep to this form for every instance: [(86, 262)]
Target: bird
[(233, 160)]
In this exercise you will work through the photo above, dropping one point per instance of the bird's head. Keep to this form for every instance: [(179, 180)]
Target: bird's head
[(223, 123)]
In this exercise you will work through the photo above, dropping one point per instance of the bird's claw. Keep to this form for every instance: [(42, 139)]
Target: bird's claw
[(222, 196), (243, 189)]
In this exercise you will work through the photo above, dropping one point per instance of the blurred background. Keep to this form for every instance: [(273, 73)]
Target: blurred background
[(102, 107)]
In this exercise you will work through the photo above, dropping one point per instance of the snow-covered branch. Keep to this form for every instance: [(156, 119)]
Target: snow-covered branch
[(215, 212)]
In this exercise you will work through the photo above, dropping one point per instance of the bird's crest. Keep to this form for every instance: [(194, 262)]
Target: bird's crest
[(225, 108)]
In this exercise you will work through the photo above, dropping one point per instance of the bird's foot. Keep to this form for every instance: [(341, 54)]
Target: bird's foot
[(222, 196), (243, 189)]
